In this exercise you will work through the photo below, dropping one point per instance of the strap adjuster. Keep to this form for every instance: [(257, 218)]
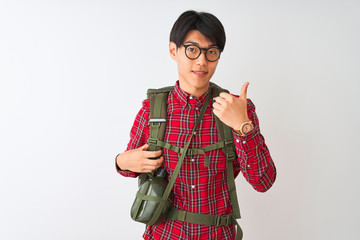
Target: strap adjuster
[(223, 220), (157, 120), (230, 155), (228, 142), (152, 141), (189, 152)]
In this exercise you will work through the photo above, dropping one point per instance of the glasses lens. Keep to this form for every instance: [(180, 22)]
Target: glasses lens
[(212, 54), (192, 52)]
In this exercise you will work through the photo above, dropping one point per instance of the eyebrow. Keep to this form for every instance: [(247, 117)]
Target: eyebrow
[(197, 44)]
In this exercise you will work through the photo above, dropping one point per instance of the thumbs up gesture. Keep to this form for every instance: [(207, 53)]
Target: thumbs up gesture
[(232, 110)]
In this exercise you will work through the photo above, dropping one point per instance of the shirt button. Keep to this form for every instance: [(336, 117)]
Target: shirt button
[(194, 133), (193, 160), (244, 142), (196, 108), (237, 140), (248, 165), (192, 186), (191, 97)]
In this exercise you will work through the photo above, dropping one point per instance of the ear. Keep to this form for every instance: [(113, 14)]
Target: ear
[(172, 50)]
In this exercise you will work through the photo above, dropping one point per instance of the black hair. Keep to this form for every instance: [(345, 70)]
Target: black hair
[(206, 23)]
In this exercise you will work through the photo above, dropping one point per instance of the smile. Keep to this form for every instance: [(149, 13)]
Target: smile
[(199, 73)]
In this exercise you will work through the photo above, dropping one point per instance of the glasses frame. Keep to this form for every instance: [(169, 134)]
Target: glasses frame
[(201, 49)]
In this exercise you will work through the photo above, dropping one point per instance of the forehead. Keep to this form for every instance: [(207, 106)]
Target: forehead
[(194, 36)]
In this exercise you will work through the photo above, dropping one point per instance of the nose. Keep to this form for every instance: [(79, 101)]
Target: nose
[(201, 60)]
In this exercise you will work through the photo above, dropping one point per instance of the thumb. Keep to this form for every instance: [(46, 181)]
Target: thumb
[(243, 93), (144, 147)]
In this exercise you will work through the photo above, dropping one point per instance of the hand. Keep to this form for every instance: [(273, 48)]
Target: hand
[(137, 160), (232, 110)]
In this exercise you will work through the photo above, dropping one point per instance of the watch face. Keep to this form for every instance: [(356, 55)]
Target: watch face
[(247, 128)]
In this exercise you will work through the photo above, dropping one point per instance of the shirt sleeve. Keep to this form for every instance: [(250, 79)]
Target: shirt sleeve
[(253, 155), (138, 135)]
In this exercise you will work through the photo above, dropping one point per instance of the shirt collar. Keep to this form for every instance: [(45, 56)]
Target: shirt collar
[(187, 99)]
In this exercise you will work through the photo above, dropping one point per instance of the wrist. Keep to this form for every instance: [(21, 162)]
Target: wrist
[(238, 125), (244, 128)]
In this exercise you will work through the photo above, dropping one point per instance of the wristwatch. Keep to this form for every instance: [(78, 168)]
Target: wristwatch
[(245, 128)]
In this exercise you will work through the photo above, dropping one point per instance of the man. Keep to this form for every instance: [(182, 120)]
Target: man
[(196, 42)]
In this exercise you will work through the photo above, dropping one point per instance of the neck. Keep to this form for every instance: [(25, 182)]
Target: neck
[(194, 90)]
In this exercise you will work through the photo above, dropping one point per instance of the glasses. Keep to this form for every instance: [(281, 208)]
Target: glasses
[(193, 52)]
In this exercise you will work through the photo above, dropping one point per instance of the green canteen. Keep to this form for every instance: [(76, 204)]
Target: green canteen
[(148, 198)]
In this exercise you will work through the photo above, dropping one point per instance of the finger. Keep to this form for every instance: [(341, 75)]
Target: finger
[(144, 147), (220, 100), (156, 163), (147, 170), (225, 95), (217, 106), (243, 93), (152, 154), (160, 160), (216, 112)]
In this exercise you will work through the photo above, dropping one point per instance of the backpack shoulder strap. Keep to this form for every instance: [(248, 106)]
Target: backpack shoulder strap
[(157, 122), (158, 115), (225, 134), (219, 124), (152, 91)]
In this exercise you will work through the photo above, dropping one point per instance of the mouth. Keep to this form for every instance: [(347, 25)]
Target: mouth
[(200, 73)]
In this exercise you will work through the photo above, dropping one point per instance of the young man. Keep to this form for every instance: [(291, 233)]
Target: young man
[(196, 42)]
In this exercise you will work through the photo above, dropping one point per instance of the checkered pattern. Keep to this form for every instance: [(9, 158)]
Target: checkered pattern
[(198, 188)]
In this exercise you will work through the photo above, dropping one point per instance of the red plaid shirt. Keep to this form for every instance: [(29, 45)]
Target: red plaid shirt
[(198, 188)]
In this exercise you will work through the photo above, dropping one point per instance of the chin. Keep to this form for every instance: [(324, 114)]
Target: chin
[(196, 83), (200, 83)]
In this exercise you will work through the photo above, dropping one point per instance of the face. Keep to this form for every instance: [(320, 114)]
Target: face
[(194, 75)]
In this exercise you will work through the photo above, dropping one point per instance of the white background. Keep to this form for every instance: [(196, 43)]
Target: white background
[(73, 75)]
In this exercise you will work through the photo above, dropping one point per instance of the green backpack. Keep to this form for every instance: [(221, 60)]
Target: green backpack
[(152, 204)]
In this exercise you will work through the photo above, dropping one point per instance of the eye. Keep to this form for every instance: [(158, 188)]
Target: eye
[(213, 51), (192, 49)]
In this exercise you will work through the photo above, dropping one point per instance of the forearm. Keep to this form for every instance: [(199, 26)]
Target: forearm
[(255, 161), (138, 136), (253, 155)]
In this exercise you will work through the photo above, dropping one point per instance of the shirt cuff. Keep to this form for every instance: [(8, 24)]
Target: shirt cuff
[(249, 141)]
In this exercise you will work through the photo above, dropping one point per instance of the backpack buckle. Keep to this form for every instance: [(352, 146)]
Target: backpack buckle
[(223, 220)]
